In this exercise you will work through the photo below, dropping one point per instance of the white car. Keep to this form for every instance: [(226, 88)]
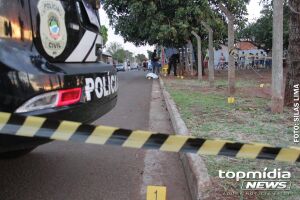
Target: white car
[(134, 67)]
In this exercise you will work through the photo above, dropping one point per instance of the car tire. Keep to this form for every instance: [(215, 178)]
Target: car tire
[(15, 154)]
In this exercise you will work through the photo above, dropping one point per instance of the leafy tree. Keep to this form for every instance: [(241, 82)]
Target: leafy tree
[(119, 55), (104, 34), (129, 56), (117, 51), (168, 23), (140, 58), (234, 11), (113, 47), (261, 31)]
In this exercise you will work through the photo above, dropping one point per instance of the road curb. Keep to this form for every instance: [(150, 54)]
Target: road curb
[(193, 165)]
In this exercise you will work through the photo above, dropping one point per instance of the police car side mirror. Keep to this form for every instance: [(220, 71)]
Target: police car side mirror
[(99, 50)]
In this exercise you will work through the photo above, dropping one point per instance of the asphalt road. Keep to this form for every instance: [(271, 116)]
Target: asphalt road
[(76, 171)]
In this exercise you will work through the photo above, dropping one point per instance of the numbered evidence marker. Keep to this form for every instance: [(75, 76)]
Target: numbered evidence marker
[(231, 100), (156, 193)]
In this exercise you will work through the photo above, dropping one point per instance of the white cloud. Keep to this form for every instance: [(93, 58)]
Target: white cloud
[(254, 10)]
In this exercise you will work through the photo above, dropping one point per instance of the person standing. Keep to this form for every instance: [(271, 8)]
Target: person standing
[(222, 61), (251, 59), (154, 62), (173, 61), (243, 60), (114, 65), (145, 65), (257, 62), (262, 59)]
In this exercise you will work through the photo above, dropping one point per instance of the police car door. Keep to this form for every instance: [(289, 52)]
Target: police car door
[(66, 30)]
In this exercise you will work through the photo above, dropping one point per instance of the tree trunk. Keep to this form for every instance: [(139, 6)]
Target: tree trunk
[(277, 58), (199, 53), (293, 76), (231, 63), (211, 70)]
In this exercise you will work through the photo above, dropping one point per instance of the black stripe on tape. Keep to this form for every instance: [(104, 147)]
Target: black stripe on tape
[(13, 125), (48, 128), (230, 149), (192, 145), (82, 133), (119, 137), (298, 160), (155, 141), (268, 153)]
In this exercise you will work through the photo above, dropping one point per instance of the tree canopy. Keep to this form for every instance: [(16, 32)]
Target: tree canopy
[(118, 52), (104, 34), (140, 58), (169, 22), (260, 32)]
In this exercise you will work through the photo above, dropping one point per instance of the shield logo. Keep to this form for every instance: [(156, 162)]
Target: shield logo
[(54, 28), (53, 32)]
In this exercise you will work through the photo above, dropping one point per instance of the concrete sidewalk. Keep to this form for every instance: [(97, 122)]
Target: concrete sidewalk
[(194, 167), (161, 168)]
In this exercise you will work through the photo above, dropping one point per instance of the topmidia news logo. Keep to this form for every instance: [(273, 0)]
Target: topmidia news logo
[(257, 180)]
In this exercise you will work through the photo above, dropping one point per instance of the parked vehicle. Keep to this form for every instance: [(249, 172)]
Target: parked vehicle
[(120, 67), (48, 65), (134, 67)]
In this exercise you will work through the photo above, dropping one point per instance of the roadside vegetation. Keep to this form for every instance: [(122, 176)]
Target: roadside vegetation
[(207, 114), (258, 115)]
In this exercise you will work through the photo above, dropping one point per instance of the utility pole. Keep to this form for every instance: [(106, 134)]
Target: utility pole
[(231, 63), (211, 69), (200, 77), (277, 58)]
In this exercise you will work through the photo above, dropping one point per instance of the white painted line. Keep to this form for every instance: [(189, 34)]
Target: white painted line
[(83, 47)]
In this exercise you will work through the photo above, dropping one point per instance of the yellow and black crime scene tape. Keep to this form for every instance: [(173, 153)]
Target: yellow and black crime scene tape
[(16, 125)]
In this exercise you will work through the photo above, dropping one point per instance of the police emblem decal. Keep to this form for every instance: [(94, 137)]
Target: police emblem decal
[(53, 31)]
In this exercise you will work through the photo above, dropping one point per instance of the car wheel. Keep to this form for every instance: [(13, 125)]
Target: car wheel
[(15, 154)]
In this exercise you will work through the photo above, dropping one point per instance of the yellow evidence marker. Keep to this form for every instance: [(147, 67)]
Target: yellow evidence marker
[(231, 100), (156, 193)]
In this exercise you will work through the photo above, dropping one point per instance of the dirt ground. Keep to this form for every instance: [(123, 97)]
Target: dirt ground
[(249, 78)]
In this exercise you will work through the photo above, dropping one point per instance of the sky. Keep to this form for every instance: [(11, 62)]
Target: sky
[(253, 10)]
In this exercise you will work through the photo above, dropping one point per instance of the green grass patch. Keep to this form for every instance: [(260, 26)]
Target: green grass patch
[(207, 114)]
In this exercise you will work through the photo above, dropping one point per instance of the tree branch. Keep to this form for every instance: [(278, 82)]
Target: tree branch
[(195, 34), (209, 29), (226, 11), (293, 9)]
